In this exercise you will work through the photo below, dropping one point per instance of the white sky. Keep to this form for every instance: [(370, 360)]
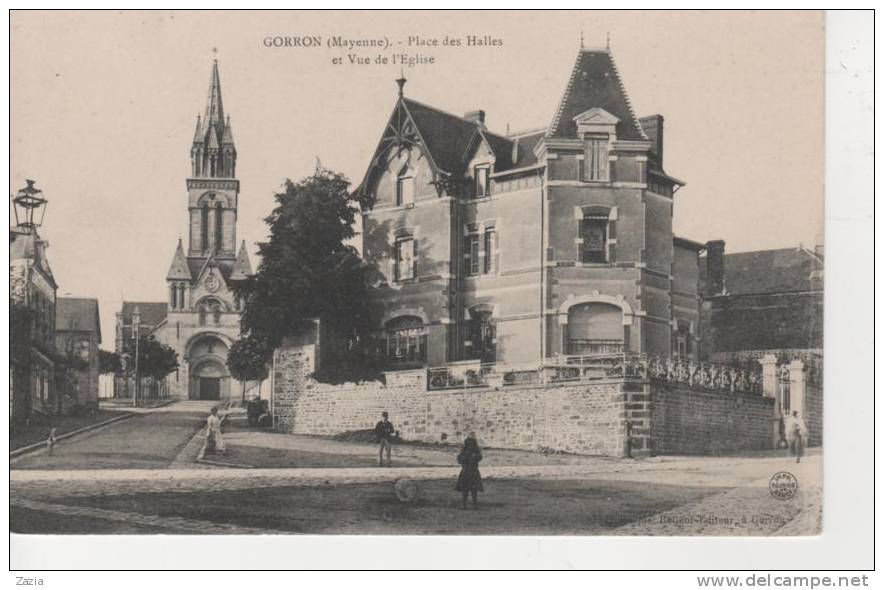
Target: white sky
[(104, 104)]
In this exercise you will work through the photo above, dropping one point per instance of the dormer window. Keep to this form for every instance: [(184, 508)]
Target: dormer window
[(405, 186), (482, 180)]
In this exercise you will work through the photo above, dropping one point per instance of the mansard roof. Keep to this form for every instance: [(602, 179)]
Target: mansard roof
[(595, 83)]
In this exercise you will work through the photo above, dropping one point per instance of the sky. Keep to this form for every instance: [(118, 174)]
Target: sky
[(104, 104)]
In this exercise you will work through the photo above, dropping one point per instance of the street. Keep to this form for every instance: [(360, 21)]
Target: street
[(142, 475)]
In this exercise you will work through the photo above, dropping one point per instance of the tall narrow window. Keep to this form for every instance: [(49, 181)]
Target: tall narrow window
[(406, 260), (596, 162), (219, 226), (481, 174), (204, 227), (471, 254), (594, 232), (405, 186), (181, 296), (216, 313), (202, 314), (173, 295), (490, 251)]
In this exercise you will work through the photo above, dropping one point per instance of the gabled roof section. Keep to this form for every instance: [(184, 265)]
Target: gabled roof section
[(77, 314), (447, 136), (242, 268), (228, 133), (179, 269), (784, 270), (595, 83)]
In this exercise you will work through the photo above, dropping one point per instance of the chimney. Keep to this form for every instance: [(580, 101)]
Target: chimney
[(477, 117), (715, 267), (653, 128)]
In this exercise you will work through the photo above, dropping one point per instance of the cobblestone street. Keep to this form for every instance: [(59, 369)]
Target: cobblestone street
[(83, 488)]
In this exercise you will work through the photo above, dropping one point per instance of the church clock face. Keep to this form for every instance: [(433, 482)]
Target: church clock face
[(213, 284)]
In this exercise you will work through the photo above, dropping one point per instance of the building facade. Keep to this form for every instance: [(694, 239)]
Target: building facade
[(520, 247), (32, 310), (201, 317), (77, 340)]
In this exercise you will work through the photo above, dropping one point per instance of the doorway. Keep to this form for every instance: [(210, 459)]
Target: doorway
[(210, 388)]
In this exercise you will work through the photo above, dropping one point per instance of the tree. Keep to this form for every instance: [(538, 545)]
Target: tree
[(109, 362), (155, 360), (247, 360), (307, 269)]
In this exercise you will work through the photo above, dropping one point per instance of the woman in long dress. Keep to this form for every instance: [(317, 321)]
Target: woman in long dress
[(469, 482), (213, 431)]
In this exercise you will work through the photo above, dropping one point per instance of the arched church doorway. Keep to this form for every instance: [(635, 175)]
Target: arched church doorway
[(209, 379)]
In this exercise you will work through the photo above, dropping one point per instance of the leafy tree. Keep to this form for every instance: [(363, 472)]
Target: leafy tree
[(247, 360), (155, 359), (109, 362), (307, 269)]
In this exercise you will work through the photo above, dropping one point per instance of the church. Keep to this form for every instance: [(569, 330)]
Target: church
[(201, 317)]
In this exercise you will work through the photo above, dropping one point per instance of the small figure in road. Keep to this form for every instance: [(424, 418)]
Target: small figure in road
[(50, 441), (796, 431), (384, 431), (213, 432), (469, 482)]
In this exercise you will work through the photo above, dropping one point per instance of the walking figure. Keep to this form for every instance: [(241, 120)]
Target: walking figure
[(797, 433), (213, 432), (383, 432), (469, 482), (50, 442)]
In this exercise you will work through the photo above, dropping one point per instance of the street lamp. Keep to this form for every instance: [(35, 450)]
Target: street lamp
[(25, 204)]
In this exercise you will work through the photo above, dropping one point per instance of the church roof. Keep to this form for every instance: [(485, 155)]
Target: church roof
[(77, 314), (228, 133), (595, 83), (212, 129), (214, 106), (242, 268), (153, 313), (179, 268)]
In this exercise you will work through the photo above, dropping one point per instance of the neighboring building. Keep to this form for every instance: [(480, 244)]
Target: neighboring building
[(515, 248), (32, 290), (766, 301), (201, 318), (77, 340), (766, 307)]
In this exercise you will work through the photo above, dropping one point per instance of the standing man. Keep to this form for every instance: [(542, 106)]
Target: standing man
[(383, 431), (797, 432)]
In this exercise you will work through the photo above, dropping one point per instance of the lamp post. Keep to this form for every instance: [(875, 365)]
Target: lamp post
[(136, 333)]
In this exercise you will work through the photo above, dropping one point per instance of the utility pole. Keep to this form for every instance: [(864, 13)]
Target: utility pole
[(136, 333)]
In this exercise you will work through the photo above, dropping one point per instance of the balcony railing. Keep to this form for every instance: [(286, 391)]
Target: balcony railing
[(577, 368)]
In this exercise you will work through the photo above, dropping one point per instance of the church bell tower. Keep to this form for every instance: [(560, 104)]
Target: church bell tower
[(213, 188)]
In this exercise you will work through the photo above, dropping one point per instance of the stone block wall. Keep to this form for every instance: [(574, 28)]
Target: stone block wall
[(688, 421), (813, 414)]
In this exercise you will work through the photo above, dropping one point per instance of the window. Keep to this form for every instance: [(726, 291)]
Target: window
[(596, 159), (406, 341), (204, 227), (405, 186), (406, 259), (490, 250), (594, 233), (595, 328), (471, 254), (219, 226), (482, 344), (216, 313), (202, 314), (481, 176), (173, 296)]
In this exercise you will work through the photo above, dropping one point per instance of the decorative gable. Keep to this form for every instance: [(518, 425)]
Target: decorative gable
[(597, 120)]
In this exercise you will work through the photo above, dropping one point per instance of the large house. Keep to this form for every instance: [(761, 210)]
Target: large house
[(77, 340), (200, 320), (512, 248)]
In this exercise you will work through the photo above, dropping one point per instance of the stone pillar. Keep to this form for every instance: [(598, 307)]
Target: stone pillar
[(770, 388), (769, 375), (798, 391)]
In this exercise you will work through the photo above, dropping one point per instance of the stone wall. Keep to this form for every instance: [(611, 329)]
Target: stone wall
[(589, 417), (585, 418), (688, 421), (813, 414)]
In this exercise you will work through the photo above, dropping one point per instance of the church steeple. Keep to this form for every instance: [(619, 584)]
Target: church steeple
[(209, 159)]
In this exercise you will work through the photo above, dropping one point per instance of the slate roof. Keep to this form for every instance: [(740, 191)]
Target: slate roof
[(242, 268), (784, 270), (525, 145), (179, 270), (77, 314), (595, 82), (152, 312)]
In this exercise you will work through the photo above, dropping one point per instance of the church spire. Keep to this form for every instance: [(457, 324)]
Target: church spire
[(210, 159), (215, 107)]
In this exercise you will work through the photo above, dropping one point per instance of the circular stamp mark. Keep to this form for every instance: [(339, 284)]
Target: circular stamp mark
[(783, 485)]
